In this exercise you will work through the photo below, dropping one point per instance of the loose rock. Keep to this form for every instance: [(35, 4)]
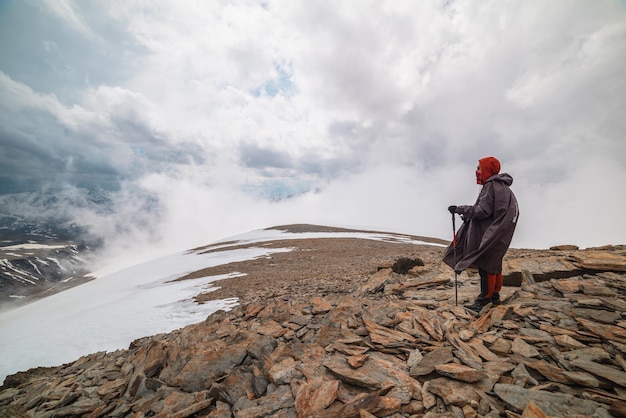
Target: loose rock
[(363, 342)]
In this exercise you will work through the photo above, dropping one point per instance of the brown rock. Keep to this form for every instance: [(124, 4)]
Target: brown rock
[(564, 247), (479, 347), (284, 372), (415, 356), (369, 402), (116, 386), (466, 353), (377, 372), (498, 368), (268, 405), (315, 396), (535, 335), (499, 313), (460, 372), (320, 305), (549, 371), (589, 354), (520, 347), (568, 342), (352, 348), (432, 359), (592, 289), (554, 404), (469, 412), (604, 331), (453, 392), (205, 365), (222, 410), (241, 382), (388, 337), (430, 321), (616, 405), (428, 399), (501, 346), (271, 329), (377, 281), (388, 405), (469, 359), (540, 268), (365, 414), (253, 309), (598, 315), (523, 377), (601, 260), (358, 360), (82, 406), (181, 405), (533, 411), (610, 373), (582, 379), (566, 286), (482, 324), (466, 334), (151, 357)]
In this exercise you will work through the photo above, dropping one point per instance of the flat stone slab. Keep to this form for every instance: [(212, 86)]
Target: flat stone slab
[(601, 261), (551, 403)]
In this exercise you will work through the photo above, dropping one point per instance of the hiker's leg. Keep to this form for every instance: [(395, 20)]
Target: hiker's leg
[(495, 298), (484, 284), (491, 285)]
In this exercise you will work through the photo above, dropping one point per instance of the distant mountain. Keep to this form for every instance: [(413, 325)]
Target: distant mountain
[(42, 250), (32, 270)]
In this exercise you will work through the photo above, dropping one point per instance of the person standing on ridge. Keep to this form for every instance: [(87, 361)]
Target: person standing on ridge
[(486, 232)]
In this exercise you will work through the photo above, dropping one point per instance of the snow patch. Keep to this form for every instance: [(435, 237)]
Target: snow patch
[(31, 247), (56, 261)]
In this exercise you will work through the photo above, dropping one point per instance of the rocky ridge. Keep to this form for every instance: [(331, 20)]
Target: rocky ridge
[(375, 332)]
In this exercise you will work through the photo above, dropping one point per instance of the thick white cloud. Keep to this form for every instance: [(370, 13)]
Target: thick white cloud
[(203, 114)]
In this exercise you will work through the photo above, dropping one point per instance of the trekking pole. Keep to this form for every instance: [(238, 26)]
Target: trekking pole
[(456, 289)]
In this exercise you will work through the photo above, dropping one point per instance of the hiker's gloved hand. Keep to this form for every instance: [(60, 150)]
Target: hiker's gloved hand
[(452, 209)]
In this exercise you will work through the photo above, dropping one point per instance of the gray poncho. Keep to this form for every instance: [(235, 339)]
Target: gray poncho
[(488, 227)]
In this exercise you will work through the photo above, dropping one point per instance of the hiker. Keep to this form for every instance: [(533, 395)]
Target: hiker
[(486, 232)]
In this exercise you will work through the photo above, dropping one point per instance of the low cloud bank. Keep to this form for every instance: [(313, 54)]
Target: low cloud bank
[(161, 215)]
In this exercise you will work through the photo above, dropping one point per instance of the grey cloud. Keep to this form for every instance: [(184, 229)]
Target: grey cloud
[(37, 150), (52, 56), (329, 168), (255, 156)]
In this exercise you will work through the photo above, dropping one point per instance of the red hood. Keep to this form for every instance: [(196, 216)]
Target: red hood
[(489, 167)]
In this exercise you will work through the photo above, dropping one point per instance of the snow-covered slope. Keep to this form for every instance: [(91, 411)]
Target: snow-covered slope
[(42, 249), (30, 269), (110, 312)]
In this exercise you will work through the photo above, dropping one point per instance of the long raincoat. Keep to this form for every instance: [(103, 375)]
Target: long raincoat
[(488, 227)]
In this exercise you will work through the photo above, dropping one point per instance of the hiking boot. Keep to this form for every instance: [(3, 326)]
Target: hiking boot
[(478, 304), (496, 299), (476, 307)]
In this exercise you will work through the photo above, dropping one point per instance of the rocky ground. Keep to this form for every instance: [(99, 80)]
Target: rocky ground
[(359, 328)]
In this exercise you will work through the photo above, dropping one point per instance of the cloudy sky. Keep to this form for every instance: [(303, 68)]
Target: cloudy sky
[(204, 119)]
